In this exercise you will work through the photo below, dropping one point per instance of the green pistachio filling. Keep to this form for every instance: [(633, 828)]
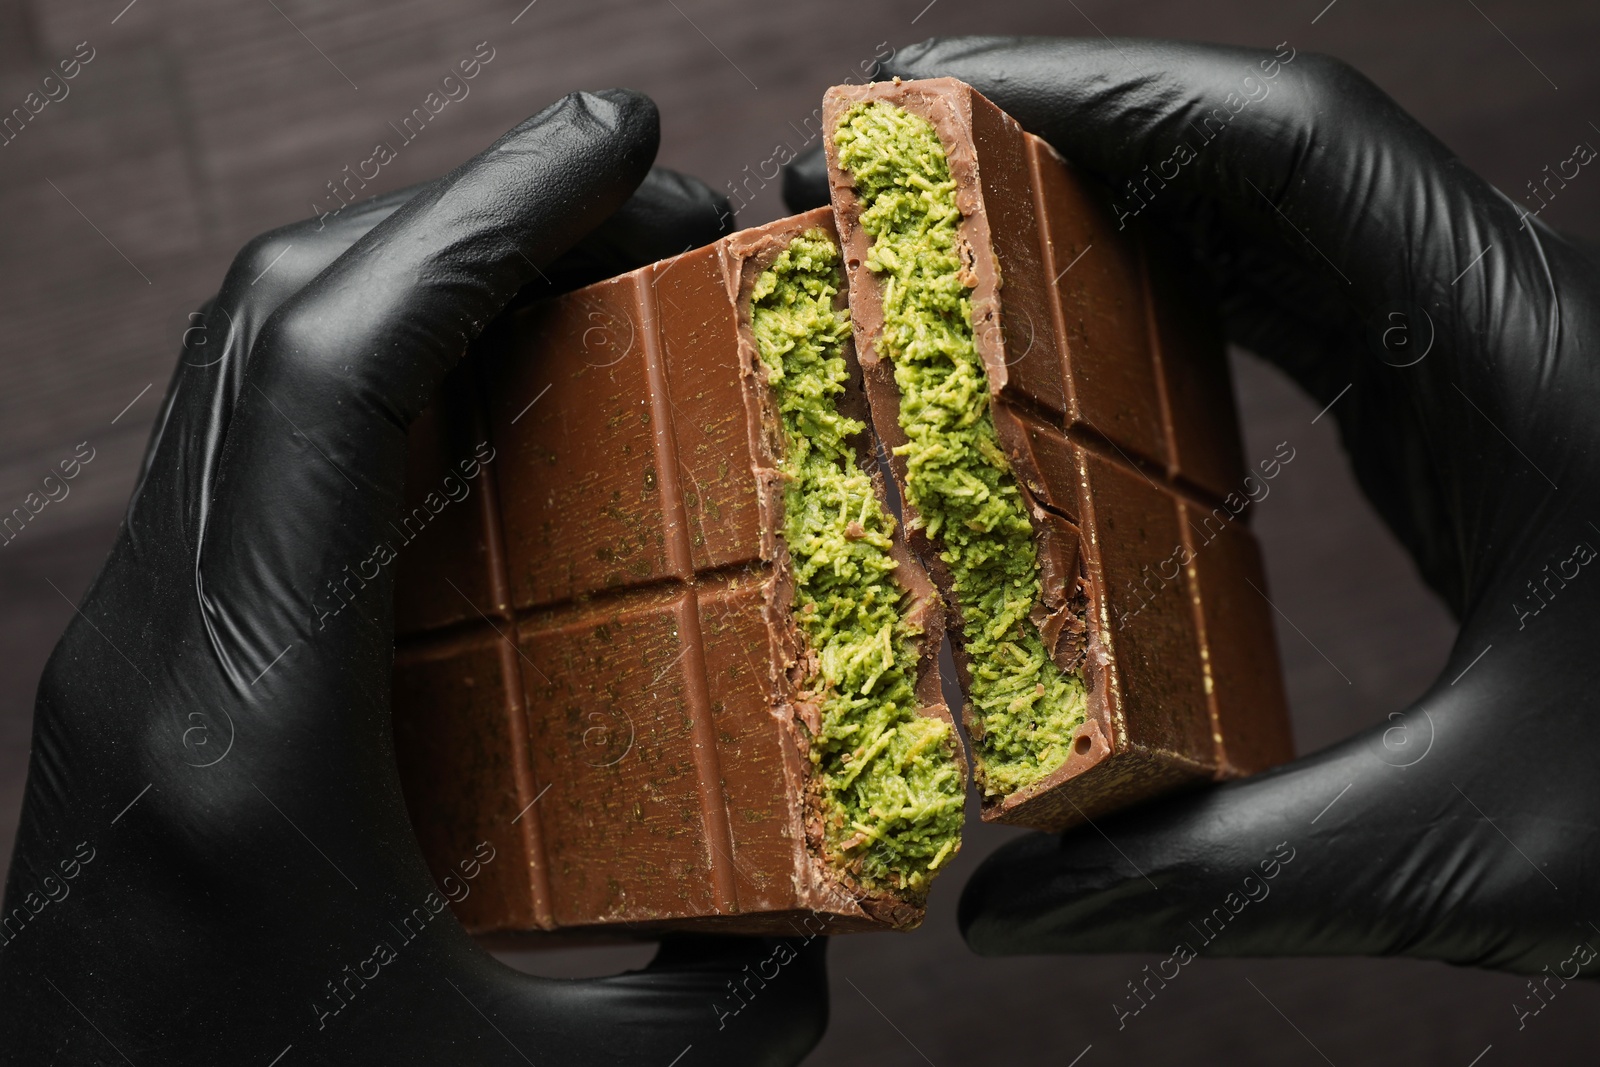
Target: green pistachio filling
[(957, 477), (891, 787)]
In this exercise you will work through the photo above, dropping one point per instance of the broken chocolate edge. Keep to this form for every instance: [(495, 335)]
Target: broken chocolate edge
[(948, 105), (746, 256)]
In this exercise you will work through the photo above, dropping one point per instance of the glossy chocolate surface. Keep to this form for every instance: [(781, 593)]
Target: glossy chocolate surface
[(597, 669)]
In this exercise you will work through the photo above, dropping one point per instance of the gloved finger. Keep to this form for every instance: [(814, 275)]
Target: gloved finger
[(751, 1001), (669, 213), (1366, 848), (739, 999), (1331, 359), (1334, 200), (1293, 146), (1298, 154), (313, 462), (805, 181), (180, 458)]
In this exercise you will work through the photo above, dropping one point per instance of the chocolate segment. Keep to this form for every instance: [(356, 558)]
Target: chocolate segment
[(607, 681), (1109, 396)]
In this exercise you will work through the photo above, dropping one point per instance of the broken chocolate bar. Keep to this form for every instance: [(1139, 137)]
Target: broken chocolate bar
[(662, 646), (1061, 428)]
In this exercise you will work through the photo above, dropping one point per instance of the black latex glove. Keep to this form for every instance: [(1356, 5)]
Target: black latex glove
[(213, 842), (1348, 247)]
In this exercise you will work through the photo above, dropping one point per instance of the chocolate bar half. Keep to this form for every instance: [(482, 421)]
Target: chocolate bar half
[(662, 646), (1060, 423)]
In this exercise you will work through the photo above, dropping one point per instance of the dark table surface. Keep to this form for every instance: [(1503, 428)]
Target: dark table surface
[(197, 125)]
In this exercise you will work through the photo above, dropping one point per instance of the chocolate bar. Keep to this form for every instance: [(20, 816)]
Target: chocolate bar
[(1061, 428), (662, 648)]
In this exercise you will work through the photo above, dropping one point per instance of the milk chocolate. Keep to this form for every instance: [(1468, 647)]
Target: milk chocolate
[(597, 667), (1110, 396)]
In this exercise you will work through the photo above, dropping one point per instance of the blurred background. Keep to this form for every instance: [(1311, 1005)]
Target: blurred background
[(194, 126)]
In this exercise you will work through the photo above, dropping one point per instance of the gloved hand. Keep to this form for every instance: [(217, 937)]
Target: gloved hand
[(214, 863), (1357, 253)]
